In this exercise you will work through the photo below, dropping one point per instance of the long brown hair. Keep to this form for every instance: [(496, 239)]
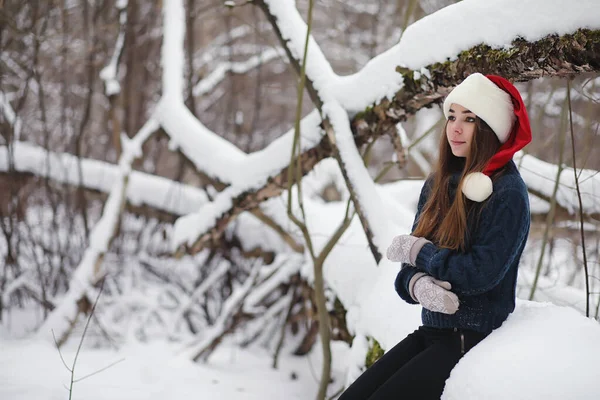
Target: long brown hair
[(445, 222)]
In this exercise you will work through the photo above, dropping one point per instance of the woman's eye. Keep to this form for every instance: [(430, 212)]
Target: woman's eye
[(470, 119), (451, 118)]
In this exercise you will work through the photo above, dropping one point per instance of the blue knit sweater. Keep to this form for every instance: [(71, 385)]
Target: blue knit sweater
[(485, 276)]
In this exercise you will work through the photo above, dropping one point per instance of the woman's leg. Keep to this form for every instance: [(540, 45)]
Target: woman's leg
[(424, 376), (385, 367)]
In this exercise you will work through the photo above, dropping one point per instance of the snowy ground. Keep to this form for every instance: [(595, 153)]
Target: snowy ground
[(33, 370), (542, 352)]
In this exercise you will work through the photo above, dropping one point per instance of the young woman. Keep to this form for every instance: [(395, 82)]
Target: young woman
[(460, 262)]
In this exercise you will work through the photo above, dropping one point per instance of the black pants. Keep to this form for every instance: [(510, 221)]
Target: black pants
[(416, 368)]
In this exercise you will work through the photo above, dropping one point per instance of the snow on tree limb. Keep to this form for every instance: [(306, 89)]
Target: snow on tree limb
[(172, 54), (10, 116), (290, 29), (256, 182), (220, 72), (539, 175), (159, 193), (109, 73), (214, 156)]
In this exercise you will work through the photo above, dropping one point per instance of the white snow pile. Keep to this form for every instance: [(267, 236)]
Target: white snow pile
[(541, 352)]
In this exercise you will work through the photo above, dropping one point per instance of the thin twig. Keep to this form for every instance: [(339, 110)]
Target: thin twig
[(283, 327), (87, 324), (59, 352), (100, 370), (585, 266)]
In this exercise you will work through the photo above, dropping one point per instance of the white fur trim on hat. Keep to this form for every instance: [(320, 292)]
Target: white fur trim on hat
[(490, 103), (477, 186)]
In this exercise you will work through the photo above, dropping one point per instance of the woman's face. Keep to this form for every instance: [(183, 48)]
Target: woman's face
[(460, 129)]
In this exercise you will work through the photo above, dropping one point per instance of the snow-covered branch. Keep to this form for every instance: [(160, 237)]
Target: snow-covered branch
[(220, 72), (254, 182), (539, 177), (109, 73), (143, 189), (10, 116)]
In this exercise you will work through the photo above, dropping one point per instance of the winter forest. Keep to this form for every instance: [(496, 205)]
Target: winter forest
[(196, 197)]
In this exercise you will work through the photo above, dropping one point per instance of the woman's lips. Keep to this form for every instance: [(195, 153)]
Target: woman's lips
[(456, 142)]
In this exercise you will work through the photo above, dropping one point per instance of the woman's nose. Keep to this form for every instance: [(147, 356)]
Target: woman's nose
[(457, 127)]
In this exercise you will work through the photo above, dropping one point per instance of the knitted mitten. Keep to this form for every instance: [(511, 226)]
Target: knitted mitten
[(405, 248), (433, 294)]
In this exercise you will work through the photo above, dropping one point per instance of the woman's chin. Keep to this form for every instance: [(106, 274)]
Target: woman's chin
[(458, 153)]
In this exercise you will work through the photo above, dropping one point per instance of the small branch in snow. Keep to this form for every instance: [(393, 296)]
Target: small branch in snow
[(226, 321), (223, 70), (72, 368), (585, 265), (265, 219)]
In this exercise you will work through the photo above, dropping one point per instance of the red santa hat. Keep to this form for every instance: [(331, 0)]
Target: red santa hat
[(498, 102)]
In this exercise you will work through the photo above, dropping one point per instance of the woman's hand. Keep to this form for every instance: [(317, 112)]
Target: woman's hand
[(405, 248)]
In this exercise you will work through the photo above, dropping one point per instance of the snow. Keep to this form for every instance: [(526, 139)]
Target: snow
[(247, 175), (109, 73), (143, 189), (172, 54), (207, 84), (541, 352), (293, 29), (10, 115), (204, 148), (493, 22), (443, 35), (33, 370), (540, 176), (360, 179)]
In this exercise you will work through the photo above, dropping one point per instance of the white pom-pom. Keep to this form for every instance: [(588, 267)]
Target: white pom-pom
[(477, 186)]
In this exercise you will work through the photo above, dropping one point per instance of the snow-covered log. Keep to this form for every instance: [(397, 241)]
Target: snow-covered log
[(144, 189)]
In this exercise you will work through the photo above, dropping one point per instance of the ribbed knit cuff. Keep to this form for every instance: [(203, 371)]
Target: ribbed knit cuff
[(402, 281), (416, 248), (425, 255), (411, 284)]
